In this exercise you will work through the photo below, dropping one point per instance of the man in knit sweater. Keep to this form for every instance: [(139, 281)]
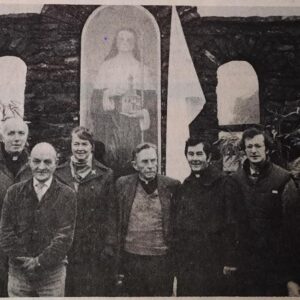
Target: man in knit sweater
[(268, 222), (145, 228)]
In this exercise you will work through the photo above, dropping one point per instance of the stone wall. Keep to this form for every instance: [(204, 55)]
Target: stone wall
[(271, 45), (49, 43)]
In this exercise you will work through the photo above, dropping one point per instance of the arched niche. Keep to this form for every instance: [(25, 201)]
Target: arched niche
[(12, 87), (120, 80), (237, 94)]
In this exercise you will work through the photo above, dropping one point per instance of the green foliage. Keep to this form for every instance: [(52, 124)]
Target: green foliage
[(229, 147)]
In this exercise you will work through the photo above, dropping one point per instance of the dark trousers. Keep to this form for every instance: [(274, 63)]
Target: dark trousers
[(194, 279), (147, 275), (3, 286), (260, 284), (198, 285), (3, 275), (89, 279)]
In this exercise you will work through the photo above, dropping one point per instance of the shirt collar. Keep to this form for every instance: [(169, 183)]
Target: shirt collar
[(47, 183)]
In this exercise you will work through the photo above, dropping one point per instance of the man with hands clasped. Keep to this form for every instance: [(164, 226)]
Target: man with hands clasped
[(37, 227)]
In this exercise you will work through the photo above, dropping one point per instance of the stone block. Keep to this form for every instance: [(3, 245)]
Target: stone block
[(67, 48)]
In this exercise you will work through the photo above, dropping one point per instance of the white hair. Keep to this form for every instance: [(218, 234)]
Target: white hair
[(9, 121)]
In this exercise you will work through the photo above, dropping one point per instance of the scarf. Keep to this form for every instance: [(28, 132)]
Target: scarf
[(80, 169)]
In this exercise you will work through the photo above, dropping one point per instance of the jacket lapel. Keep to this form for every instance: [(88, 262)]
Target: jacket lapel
[(63, 173), (29, 190), (51, 194), (3, 166), (24, 168), (164, 194), (128, 196), (5, 170)]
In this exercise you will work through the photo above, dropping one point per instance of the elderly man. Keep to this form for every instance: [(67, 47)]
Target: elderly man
[(13, 156), (13, 168), (37, 227), (268, 228), (145, 202), (201, 222)]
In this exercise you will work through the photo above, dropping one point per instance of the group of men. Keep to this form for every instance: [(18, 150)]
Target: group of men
[(75, 230)]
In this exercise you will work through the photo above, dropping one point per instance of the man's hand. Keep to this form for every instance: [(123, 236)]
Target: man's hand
[(293, 289), (22, 259), (29, 263), (229, 270)]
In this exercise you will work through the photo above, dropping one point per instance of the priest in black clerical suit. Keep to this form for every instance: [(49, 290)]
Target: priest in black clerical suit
[(13, 168)]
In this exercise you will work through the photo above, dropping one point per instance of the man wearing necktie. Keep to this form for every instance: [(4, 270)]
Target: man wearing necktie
[(13, 168), (267, 252), (37, 228)]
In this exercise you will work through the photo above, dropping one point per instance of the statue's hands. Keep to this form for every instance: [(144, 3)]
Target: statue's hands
[(108, 102), (116, 91), (142, 115), (137, 114)]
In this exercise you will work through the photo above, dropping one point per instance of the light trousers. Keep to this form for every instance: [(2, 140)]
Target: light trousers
[(45, 283)]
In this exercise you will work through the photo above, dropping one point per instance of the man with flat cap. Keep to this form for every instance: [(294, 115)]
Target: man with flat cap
[(37, 228)]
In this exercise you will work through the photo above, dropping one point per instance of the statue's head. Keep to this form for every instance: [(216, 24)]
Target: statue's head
[(125, 40)]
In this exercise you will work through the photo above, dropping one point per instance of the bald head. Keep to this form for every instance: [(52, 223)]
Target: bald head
[(42, 161), (43, 148), (14, 135)]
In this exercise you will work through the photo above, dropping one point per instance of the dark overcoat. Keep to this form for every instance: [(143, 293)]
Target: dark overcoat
[(7, 179), (88, 265), (201, 220), (45, 228)]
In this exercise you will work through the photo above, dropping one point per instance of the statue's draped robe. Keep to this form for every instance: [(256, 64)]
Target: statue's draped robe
[(118, 132)]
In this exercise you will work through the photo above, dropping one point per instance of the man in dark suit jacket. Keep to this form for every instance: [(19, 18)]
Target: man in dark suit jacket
[(13, 168), (145, 228), (37, 228)]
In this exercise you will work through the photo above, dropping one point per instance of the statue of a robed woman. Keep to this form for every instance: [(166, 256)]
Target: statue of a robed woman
[(124, 101)]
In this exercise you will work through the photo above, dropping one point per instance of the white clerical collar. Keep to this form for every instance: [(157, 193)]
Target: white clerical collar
[(253, 171), (145, 180), (47, 183)]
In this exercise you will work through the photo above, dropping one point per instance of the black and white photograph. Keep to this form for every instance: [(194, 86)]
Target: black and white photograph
[(150, 148)]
